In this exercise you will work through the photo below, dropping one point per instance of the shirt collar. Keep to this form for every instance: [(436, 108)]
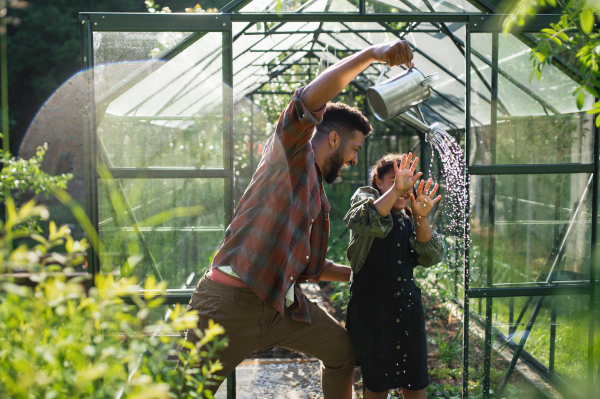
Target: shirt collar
[(319, 173)]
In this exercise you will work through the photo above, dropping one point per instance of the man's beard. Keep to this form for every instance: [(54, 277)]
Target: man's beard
[(333, 165)]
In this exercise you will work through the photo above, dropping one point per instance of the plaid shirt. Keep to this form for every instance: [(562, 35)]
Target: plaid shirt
[(270, 244)]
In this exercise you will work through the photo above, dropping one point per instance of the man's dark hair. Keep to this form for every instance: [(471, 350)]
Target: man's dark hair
[(344, 120)]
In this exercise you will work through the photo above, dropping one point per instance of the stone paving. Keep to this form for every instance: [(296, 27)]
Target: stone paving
[(276, 381)]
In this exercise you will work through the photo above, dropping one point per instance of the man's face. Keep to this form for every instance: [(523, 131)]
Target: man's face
[(345, 154)]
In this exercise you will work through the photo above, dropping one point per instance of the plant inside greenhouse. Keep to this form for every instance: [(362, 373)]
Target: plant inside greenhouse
[(299, 199)]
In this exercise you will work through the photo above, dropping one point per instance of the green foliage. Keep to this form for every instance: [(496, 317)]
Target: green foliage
[(573, 34), (341, 294), (449, 346), (59, 341), (448, 391), (23, 176), (153, 7)]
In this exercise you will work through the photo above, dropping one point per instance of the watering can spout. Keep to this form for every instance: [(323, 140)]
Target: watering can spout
[(415, 119)]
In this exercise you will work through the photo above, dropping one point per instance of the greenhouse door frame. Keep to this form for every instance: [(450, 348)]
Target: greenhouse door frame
[(222, 22)]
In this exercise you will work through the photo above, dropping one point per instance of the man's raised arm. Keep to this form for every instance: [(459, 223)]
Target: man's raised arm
[(331, 82)]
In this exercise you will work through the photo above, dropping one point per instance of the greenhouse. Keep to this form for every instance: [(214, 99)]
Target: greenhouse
[(179, 107)]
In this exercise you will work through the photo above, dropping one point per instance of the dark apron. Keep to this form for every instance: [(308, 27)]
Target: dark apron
[(385, 316)]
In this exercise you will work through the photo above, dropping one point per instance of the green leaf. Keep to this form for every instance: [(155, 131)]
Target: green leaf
[(595, 82), (592, 91), (587, 20), (541, 57), (580, 99), (563, 36)]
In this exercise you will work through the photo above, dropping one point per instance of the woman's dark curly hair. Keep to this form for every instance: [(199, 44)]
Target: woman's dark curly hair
[(382, 167)]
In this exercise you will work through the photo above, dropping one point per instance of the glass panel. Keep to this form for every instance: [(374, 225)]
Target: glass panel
[(537, 343), (571, 342), (297, 6), (510, 319), (180, 223), (506, 312), (112, 47), (535, 217), (555, 87), (544, 139), (131, 142), (120, 54), (165, 112), (394, 6), (532, 113), (251, 131), (557, 341)]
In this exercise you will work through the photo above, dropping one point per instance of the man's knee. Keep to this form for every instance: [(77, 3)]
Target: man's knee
[(345, 363)]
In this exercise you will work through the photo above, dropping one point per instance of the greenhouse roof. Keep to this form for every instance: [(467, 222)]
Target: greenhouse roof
[(185, 81)]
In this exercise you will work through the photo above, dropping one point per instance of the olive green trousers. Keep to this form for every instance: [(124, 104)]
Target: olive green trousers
[(251, 325)]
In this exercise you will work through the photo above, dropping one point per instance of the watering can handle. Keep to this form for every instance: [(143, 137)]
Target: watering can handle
[(382, 73)]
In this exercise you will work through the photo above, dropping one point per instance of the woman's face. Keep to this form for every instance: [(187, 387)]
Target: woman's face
[(386, 183)]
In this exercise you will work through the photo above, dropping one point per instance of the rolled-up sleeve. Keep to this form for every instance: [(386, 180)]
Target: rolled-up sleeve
[(363, 218), (296, 124), (428, 253), (316, 278)]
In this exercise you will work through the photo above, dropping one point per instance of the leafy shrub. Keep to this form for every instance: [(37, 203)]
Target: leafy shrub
[(59, 341), (25, 175), (340, 294), (449, 347)]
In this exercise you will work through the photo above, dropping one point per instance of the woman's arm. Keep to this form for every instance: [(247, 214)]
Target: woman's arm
[(335, 272), (363, 218), (422, 229)]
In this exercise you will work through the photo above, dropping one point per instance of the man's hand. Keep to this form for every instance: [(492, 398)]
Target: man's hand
[(405, 174), (394, 54)]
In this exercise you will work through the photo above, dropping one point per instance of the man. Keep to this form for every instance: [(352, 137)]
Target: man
[(280, 231)]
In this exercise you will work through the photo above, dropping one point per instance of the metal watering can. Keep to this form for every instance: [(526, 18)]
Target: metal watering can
[(400, 96)]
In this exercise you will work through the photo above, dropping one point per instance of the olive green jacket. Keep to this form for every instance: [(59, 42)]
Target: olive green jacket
[(366, 223)]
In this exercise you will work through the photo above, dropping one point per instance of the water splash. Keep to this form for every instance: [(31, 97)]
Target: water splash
[(454, 209)]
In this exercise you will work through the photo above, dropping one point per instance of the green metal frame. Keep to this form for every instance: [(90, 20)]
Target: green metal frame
[(475, 23)]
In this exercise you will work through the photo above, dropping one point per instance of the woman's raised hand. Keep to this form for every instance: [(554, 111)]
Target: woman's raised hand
[(423, 204), (405, 174)]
